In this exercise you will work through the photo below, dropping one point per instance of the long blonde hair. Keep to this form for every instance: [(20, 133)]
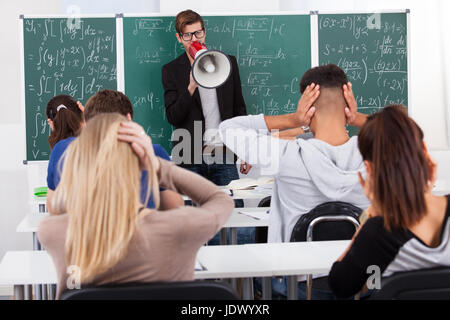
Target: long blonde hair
[(100, 191)]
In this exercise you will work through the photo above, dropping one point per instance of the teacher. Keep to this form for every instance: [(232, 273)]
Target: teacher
[(196, 112)]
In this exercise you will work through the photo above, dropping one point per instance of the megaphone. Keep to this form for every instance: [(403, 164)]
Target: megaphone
[(211, 68)]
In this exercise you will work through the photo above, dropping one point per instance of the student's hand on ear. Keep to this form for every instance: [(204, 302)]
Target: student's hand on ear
[(245, 167), (141, 143), (351, 109), (305, 108)]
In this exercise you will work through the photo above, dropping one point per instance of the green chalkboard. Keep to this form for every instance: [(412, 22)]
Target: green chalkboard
[(63, 57), (273, 52), (372, 50)]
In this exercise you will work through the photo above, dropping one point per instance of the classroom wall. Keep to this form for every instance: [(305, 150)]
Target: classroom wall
[(429, 69), (14, 181)]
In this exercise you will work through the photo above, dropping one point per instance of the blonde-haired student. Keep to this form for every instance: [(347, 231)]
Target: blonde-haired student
[(100, 227)]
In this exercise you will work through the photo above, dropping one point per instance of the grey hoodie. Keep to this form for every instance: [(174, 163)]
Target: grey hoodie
[(307, 172)]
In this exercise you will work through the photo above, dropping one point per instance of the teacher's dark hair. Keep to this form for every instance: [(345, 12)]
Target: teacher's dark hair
[(393, 143), (187, 17), (66, 116)]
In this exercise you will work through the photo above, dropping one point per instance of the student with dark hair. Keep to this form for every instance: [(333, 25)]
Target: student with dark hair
[(307, 172), (65, 118), (109, 101), (408, 227)]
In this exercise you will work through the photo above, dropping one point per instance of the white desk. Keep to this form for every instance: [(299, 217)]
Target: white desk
[(243, 194), (31, 221), (25, 268)]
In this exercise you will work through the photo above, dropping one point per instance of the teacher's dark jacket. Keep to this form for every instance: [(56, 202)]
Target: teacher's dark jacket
[(182, 109)]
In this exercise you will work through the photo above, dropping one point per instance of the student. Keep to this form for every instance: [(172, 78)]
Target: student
[(408, 227), (100, 227), (107, 101), (307, 172), (65, 118)]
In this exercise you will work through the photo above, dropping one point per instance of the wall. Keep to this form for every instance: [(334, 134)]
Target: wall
[(14, 176)]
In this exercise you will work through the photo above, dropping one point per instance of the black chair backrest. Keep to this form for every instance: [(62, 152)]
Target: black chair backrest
[(265, 202), (187, 290), (261, 232), (327, 230), (419, 284)]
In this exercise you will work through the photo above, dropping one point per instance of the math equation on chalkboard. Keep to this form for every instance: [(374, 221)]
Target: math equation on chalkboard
[(63, 57), (372, 50)]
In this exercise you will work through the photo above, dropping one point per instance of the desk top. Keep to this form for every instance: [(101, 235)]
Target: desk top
[(229, 261), (269, 259), (27, 267), (237, 220)]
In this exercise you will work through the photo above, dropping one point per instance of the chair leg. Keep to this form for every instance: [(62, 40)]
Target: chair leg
[(247, 289), (28, 292), (292, 288), (308, 286), (19, 292), (267, 288)]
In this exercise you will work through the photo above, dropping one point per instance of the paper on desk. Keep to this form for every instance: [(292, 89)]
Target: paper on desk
[(199, 266), (260, 215), (264, 187), (248, 183)]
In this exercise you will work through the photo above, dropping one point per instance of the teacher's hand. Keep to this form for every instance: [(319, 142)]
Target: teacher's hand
[(192, 84)]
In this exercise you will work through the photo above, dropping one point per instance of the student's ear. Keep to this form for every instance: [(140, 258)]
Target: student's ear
[(368, 167), (128, 116), (50, 123), (178, 37), (432, 166)]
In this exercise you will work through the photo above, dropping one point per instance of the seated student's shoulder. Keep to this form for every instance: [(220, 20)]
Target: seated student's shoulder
[(52, 229), (60, 147), (161, 152), (173, 219)]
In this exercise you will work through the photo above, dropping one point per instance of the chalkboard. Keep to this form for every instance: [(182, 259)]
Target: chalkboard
[(62, 57), (372, 50), (272, 51)]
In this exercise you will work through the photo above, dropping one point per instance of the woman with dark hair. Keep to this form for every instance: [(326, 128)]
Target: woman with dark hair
[(408, 227), (65, 118)]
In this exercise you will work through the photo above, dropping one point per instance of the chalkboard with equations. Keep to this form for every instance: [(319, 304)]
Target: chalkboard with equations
[(372, 50), (63, 57), (272, 51)]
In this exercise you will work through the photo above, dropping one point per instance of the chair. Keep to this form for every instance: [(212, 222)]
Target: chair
[(261, 232), (423, 284), (187, 290), (328, 221)]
